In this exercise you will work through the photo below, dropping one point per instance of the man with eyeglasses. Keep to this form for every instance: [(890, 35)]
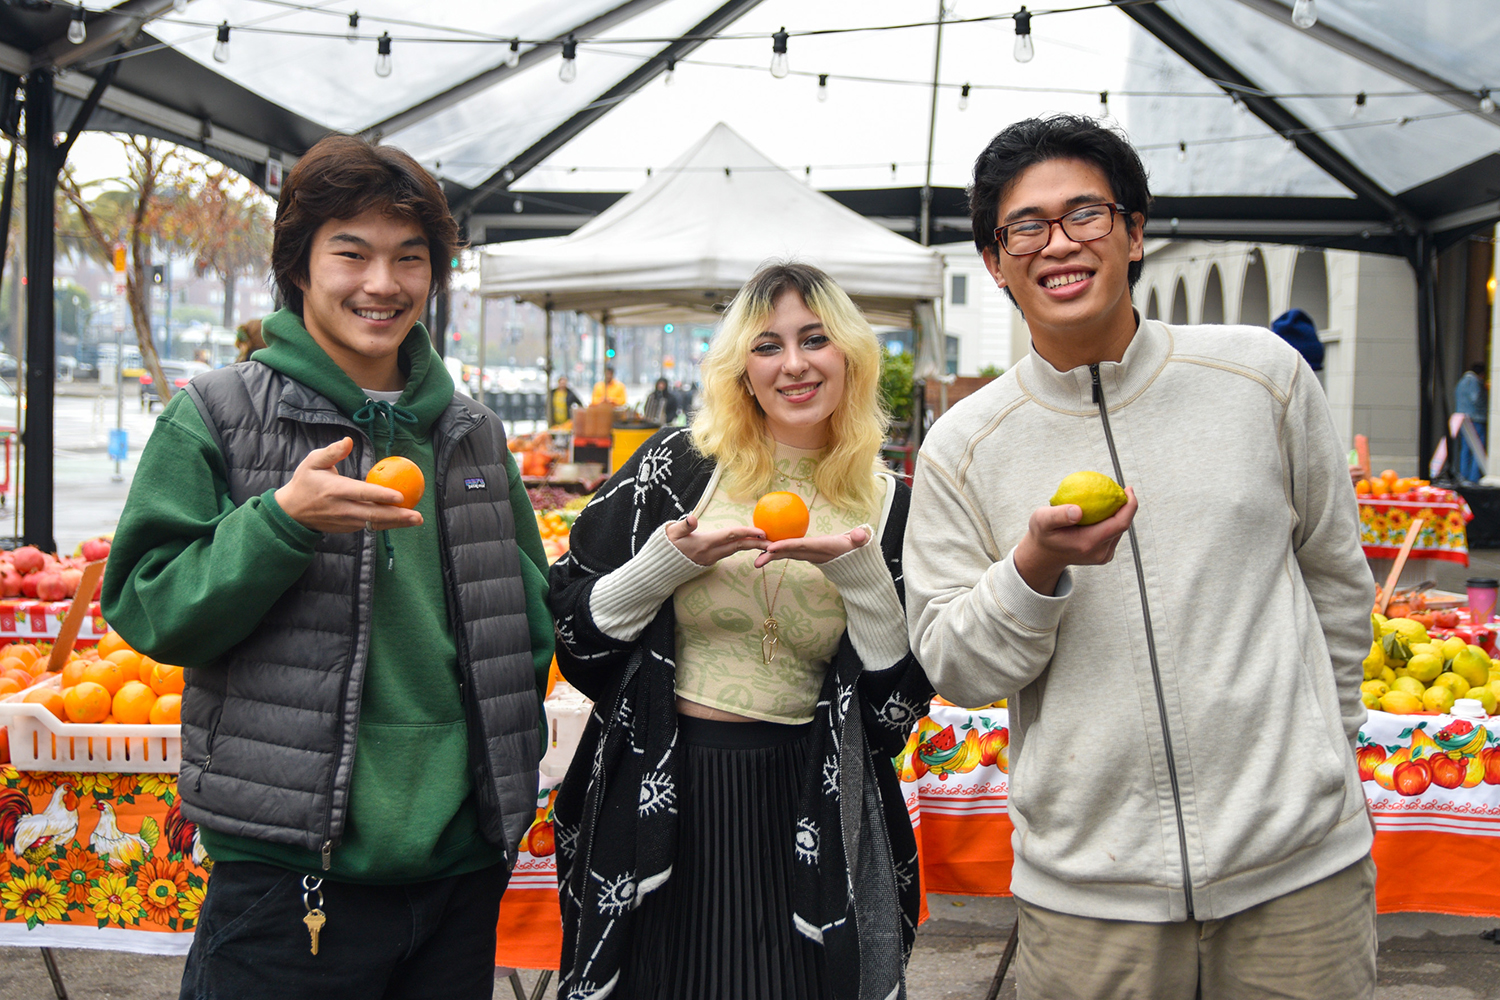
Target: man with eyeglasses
[(1183, 676)]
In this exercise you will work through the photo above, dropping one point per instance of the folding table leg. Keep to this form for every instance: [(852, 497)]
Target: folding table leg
[(54, 974), (1005, 960), (516, 985), (541, 984)]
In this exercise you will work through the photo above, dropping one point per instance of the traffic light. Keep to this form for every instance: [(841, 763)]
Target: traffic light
[(609, 346), (158, 273)]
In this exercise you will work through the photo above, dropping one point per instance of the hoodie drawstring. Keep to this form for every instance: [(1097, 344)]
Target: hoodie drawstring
[(366, 417)]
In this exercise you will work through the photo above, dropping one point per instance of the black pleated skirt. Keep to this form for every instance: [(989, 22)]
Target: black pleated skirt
[(721, 927)]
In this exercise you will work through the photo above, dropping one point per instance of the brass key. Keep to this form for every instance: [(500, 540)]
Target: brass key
[(314, 921)]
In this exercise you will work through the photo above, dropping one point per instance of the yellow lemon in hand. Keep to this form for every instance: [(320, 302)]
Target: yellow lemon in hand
[(1098, 495)]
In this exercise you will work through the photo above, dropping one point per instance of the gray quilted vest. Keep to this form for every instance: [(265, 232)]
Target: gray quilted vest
[(268, 732)]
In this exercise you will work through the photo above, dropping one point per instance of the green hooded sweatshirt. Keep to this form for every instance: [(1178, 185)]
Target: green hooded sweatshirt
[(191, 575)]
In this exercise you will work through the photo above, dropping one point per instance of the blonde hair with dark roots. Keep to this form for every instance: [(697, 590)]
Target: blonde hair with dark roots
[(731, 426)]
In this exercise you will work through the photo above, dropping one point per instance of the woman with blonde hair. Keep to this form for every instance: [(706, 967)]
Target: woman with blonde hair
[(732, 825)]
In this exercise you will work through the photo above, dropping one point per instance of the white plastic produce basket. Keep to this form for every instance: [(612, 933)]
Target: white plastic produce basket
[(39, 741)]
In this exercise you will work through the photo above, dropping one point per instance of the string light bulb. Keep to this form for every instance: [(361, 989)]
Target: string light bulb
[(1240, 107), (963, 98), (352, 35), (221, 46), (822, 86), (1024, 50), (383, 54), (178, 6), (779, 67), (1486, 103), (1305, 13), (671, 71), (513, 54), (77, 30), (1357, 110), (1103, 104), (1181, 152), (568, 71), (516, 206)]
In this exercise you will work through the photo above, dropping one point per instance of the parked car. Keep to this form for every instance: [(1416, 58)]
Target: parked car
[(177, 372)]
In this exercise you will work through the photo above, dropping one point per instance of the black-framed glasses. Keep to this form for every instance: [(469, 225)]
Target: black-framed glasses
[(1082, 225)]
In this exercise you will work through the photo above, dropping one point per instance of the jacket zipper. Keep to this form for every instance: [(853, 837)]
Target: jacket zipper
[(208, 753), (460, 637), (326, 850), (1161, 701)]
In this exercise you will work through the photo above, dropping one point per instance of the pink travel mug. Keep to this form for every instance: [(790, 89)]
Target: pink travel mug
[(1482, 593)]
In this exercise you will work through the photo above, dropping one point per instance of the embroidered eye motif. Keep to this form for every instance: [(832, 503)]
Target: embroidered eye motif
[(616, 895), (831, 777), (898, 713), (657, 792), (807, 841)]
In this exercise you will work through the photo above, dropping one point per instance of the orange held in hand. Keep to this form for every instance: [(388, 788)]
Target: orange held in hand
[(781, 515), (399, 474)]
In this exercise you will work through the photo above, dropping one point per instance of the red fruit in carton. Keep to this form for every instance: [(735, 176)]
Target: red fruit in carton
[(10, 582), (28, 559), (50, 586), (71, 578), (28, 585), (96, 548)]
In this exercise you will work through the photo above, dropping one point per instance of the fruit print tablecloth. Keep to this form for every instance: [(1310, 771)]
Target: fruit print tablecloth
[(1437, 845), (1383, 523)]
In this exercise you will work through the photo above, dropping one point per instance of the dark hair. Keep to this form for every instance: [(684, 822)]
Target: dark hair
[(341, 177), (1057, 137)]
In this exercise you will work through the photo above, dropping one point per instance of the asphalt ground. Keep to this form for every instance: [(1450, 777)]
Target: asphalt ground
[(1422, 957)]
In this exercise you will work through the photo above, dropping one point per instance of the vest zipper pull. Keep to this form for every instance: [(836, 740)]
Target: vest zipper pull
[(327, 854), (1094, 374)]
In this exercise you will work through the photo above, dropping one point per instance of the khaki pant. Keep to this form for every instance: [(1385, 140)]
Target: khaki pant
[(1317, 943)]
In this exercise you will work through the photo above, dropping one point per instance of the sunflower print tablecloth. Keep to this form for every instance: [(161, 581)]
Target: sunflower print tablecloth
[(1383, 523), (98, 861)]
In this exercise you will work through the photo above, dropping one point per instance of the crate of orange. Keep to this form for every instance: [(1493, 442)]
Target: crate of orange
[(109, 709)]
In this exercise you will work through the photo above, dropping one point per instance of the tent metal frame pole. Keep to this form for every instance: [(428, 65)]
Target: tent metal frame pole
[(1205, 60), (937, 68), (606, 102), (1435, 86), (42, 168)]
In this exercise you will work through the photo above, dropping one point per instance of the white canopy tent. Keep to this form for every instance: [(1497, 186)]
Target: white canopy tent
[(676, 249)]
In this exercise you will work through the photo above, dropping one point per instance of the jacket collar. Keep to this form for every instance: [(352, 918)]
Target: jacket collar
[(1072, 391)]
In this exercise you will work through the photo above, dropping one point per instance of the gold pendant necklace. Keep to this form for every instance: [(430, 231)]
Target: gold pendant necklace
[(770, 638)]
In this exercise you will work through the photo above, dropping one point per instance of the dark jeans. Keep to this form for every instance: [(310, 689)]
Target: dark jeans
[(427, 939)]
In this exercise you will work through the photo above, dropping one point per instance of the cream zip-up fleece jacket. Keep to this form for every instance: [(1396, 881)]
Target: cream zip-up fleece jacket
[(1259, 600)]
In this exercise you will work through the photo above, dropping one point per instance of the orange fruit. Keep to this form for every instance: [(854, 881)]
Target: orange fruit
[(399, 474), (781, 515), (165, 679), (167, 711), (86, 701), (9, 685), (72, 671), (106, 673), (130, 663), (23, 651), (49, 699), (109, 720), (112, 642), (21, 677), (15, 663), (132, 703), (38, 666)]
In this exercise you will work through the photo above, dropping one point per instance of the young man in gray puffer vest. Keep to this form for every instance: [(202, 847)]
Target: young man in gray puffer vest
[(360, 725)]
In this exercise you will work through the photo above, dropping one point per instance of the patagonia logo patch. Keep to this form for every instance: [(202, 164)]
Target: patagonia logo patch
[(474, 484)]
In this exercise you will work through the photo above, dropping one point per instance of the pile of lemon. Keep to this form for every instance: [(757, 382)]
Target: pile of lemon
[(1407, 671)]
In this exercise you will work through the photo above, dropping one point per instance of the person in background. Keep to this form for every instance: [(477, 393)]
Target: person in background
[(1298, 329), (1192, 864), (248, 339), (732, 825), (560, 408), (610, 390), (361, 726), (1472, 399), (661, 405)]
